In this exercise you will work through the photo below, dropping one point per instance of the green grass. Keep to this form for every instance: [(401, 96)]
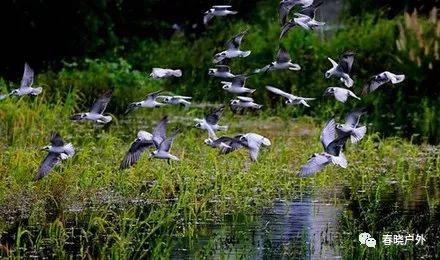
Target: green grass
[(139, 211)]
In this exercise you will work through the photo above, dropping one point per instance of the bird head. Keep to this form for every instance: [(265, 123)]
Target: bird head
[(234, 102), (198, 125), (226, 86), (219, 56), (14, 92), (46, 148), (289, 101), (339, 126), (329, 91), (328, 74), (208, 141), (153, 153), (167, 100), (211, 71)]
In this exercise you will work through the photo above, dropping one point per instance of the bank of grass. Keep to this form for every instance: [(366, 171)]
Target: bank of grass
[(88, 207)]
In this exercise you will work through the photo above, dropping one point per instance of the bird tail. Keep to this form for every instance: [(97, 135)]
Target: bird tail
[(37, 91), (304, 103), (69, 150), (177, 73), (105, 119), (348, 81), (246, 53), (358, 134), (75, 117), (223, 128), (398, 79), (353, 95), (266, 142), (340, 160), (294, 67)]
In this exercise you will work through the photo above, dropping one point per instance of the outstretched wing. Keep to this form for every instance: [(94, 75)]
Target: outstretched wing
[(234, 43), (346, 62), (310, 10), (282, 55), (223, 68), (283, 10), (233, 143), (315, 164), (56, 140), (101, 104), (47, 165), (153, 95), (353, 118), (328, 134), (373, 83), (28, 77), (137, 148), (279, 92), (167, 143), (335, 147), (213, 117), (159, 133)]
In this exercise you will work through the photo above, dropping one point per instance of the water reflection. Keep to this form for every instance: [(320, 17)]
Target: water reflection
[(296, 229)]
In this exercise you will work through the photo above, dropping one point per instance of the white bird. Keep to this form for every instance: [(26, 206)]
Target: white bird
[(233, 50), (57, 152), (211, 120), (341, 94), (58, 146), (305, 18), (342, 70), (162, 143), (350, 127), (143, 141), (283, 61), (286, 5), (243, 102), (148, 102), (251, 141), (380, 79), (221, 71), (26, 85), (159, 73), (220, 142), (97, 110), (237, 86), (217, 10), (332, 151), (291, 99), (176, 100)]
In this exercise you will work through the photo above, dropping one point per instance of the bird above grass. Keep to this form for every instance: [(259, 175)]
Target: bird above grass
[(342, 69), (26, 83), (290, 99), (217, 11), (378, 80), (233, 50), (148, 102), (97, 110), (162, 143), (211, 120), (282, 62)]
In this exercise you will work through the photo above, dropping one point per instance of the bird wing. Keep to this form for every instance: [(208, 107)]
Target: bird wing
[(335, 147), (239, 81), (56, 139), (47, 165), (181, 97), (223, 68), (346, 62), (328, 133), (159, 133), (286, 27), (233, 143), (167, 143), (245, 99), (373, 83), (28, 77), (313, 165), (282, 55), (101, 104), (353, 118), (153, 95), (207, 17), (279, 92), (221, 7), (137, 148), (213, 117), (284, 9), (211, 133), (234, 42), (341, 94), (310, 10)]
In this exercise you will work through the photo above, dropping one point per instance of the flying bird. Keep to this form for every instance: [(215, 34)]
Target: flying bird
[(237, 86), (305, 19), (378, 80), (143, 141), (176, 100), (341, 94), (290, 99), (332, 151), (217, 10), (211, 120), (57, 152), (148, 102), (250, 141), (233, 50), (162, 143), (243, 102), (97, 110), (220, 142), (221, 71), (350, 127), (159, 73), (58, 146), (342, 69), (283, 61), (286, 5), (26, 85)]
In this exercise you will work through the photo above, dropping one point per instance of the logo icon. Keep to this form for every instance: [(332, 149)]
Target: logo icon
[(366, 239)]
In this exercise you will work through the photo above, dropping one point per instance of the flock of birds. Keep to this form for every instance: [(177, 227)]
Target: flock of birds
[(333, 136)]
